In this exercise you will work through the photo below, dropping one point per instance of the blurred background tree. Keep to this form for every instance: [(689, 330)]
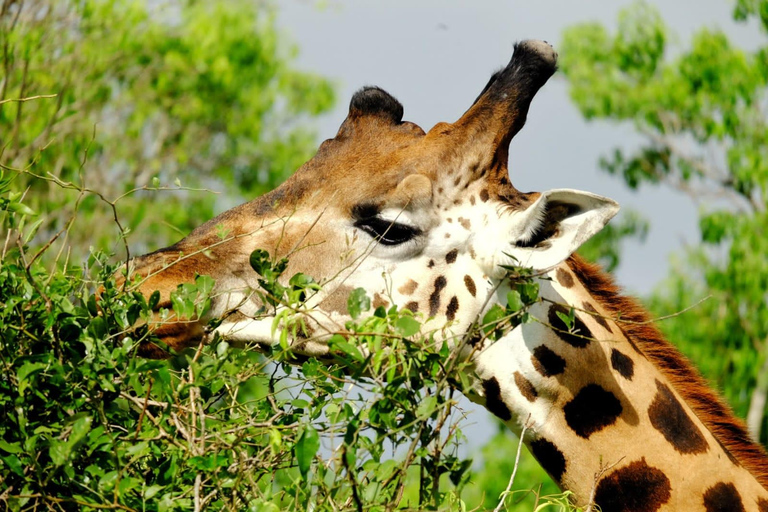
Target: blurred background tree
[(703, 113), (173, 94)]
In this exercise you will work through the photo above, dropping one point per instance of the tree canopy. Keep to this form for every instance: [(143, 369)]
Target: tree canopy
[(703, 113), (135, 96)]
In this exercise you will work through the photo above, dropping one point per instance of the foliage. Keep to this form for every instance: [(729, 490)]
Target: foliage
[(703, 116), (152, 95), (88, 424)]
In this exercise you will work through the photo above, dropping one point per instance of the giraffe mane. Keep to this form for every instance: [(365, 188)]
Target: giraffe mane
[(636, 324)]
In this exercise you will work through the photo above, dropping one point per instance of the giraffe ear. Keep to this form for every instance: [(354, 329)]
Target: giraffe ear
[(557, 224)]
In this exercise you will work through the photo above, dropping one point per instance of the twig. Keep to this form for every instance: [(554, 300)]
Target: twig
[(504, 494), (352, 480), (602, 471), (143, 409), (29, 98), (629, 322)]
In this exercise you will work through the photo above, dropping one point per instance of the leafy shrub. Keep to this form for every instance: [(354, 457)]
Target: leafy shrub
[(88, 424)]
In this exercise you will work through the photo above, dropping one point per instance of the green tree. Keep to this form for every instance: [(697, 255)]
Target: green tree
[(182, 95), (703, 114), (101, 102)]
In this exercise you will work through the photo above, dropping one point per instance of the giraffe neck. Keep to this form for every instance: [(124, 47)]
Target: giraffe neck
[(612, 411)]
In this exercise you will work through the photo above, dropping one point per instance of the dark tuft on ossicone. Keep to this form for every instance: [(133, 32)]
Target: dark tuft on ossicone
[(374, 101)]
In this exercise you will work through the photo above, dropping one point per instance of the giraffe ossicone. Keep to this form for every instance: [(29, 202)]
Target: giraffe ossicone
[(428, 221)]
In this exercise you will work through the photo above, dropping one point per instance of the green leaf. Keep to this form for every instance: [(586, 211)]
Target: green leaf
[(566, 319), (408, 326), (58, 451), (306, 449), (529, 292), (339, 343), (275, 440), (151, 491), (358, 302), (20, 208), (10, 448), (98, 328), (24, 373), (80, 429), (260, 261), (492, 317), (427, 407), (154, 300), (208, 462), (300, 280), (514, 301), (32, 230), (14, 464)]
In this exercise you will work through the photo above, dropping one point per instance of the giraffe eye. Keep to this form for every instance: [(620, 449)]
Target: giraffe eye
[(387, 232)]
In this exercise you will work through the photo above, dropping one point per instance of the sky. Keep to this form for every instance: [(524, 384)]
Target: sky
[(435, 56)]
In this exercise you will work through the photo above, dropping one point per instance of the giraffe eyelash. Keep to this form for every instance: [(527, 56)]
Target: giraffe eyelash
[(387, 232)]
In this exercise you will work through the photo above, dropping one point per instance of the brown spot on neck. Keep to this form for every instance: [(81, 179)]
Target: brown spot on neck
[(546, 362), (622, 364), (550, 457), (379, 301), (564, 277), (668, 417), (589, 308), (525, 387), (637, 486), (493, 400), (591, 410), (723, 497)]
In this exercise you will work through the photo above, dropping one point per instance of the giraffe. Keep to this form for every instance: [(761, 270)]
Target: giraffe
[(427, 221)]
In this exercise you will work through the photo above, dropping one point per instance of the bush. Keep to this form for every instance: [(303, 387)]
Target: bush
[(89, 425)]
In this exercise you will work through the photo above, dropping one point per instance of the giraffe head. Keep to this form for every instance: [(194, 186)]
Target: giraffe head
[(422, 220)]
